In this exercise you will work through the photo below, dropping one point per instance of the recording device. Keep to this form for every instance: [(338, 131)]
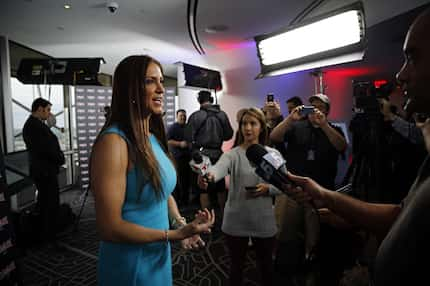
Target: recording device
[(200, 163), (251, 188), (270, 97), (367, 96), (306, 110), (268, 166), (421, 117), (112, 7)]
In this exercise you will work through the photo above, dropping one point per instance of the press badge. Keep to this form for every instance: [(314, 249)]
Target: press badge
[(311, 155)]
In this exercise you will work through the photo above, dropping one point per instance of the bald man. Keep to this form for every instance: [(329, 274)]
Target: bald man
[(405, 228)]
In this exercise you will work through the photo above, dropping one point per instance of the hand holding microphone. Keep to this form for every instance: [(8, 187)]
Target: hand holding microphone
[(305, 189), (200, 163), (269, 168)]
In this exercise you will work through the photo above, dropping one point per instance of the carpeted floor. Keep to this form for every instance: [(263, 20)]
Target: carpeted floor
[(75, 261)]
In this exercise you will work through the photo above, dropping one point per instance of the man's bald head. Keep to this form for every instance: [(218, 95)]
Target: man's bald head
[(420, 28), (414, 75)]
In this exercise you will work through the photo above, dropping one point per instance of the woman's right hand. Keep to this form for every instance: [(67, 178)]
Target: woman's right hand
[(202, 223), (203, 181)]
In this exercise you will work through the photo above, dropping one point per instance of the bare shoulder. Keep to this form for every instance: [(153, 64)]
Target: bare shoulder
[(110, 150)]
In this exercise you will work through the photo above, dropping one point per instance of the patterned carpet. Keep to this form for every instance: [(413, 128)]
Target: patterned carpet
[(75, 262)]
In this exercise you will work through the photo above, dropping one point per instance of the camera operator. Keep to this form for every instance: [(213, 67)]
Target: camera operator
[(408, 130), (403, 151), (386, 148)]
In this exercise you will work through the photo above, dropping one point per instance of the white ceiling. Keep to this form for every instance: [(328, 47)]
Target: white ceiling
[(159, 27)]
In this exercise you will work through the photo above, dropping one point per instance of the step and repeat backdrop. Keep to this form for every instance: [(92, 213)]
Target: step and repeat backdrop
[(8, 251), (92, 103)]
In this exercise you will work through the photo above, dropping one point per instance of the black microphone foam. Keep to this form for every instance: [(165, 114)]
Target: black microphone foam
[(272, 174), (255, 153), (197, 157)]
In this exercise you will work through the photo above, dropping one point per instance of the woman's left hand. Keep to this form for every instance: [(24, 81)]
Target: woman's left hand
[(261, 190), (193, 242)]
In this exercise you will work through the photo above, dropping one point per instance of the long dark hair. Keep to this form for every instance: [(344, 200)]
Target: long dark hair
[(259, 115), (130, 111)]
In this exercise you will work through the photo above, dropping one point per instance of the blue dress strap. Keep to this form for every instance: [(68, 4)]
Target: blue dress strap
[(115, 130)]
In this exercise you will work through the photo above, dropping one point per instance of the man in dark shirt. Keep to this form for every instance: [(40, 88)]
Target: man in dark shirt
[(176, 136), (403, 228), (314, 144), (45, 158)]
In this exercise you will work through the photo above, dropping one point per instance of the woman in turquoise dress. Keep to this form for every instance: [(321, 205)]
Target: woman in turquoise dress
[(132, 178)]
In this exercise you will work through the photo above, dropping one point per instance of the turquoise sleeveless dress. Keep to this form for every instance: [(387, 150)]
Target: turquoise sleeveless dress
[(140, 264)]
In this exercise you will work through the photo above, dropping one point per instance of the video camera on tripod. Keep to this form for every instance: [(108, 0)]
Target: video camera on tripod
[(367, 96), (367, 128)]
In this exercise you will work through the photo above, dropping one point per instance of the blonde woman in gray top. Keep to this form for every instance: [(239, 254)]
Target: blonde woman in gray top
[(248, 211)]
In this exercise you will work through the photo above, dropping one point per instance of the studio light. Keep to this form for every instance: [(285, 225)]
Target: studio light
[(333, 38)]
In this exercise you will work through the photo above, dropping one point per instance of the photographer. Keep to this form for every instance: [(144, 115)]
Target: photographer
[(272, 112)]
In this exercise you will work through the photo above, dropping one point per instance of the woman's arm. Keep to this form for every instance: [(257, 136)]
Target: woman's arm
[(222, 167), (109, 163)]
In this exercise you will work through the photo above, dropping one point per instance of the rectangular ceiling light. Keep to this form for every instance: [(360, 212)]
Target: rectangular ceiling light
[(332, 35)]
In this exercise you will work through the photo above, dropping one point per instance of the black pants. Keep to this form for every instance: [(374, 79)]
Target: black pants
[(237, 247), (48, 202), (182, 189)]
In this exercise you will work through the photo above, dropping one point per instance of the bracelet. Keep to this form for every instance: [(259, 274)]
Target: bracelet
[(179, 222), (166, 235)]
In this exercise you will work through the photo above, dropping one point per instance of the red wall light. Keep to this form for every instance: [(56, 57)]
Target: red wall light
[(378, 83)]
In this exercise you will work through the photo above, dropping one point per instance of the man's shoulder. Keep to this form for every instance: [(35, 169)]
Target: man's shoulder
[(197, 114), (32, 123), (175, 125)]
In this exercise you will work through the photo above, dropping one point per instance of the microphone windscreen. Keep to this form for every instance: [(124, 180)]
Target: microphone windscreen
[(197, 157), (255, 153)]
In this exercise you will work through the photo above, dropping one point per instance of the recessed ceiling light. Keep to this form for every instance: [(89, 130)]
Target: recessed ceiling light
[(67, 6), (216, 29)]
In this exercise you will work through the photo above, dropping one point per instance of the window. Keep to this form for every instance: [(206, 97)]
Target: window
[(22, 98)]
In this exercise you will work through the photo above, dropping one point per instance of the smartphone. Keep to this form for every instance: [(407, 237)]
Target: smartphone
[(306, 110), (421, 117), (251, 188), (270, 97)]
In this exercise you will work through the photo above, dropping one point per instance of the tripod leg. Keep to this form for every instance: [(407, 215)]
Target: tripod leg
[(78, 218)]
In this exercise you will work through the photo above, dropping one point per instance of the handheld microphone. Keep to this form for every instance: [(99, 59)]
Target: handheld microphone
[(268, 166), (200, 163)]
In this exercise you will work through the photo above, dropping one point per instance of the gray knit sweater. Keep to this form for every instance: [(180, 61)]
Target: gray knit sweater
[(245, 216)]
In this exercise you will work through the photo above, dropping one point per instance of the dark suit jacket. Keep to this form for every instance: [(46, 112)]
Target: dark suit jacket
[(43, 148)]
